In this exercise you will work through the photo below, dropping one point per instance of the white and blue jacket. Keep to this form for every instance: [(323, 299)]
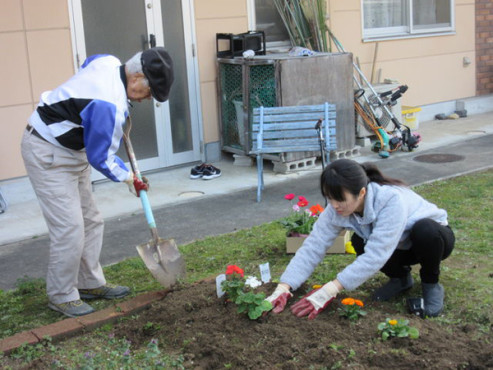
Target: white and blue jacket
[(88, 112), (389, 214)]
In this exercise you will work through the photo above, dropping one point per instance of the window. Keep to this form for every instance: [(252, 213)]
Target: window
[(267, 19), (403, 18)]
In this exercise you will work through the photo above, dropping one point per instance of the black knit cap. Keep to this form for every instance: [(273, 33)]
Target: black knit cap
[(158, 69)]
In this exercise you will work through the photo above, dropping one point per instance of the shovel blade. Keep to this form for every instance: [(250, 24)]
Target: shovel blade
[(163, 260)]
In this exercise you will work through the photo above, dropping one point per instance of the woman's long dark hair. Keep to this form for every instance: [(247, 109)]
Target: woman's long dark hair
[(346, 174)]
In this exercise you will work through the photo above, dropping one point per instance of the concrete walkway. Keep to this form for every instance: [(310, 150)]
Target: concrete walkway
[(193, 209)]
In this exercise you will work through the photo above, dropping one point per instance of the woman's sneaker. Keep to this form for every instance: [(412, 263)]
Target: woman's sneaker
[(72, 308), (198, 171), (211, 172)]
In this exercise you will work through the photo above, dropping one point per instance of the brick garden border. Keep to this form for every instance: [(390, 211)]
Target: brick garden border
[(70, 327)]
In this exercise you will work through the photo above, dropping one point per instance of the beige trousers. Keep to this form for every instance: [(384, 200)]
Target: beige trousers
[(61, 180)]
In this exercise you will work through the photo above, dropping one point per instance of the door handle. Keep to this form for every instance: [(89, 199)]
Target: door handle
[(152, 40)]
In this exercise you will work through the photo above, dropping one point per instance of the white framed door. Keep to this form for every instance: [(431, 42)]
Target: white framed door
[(163, 134)]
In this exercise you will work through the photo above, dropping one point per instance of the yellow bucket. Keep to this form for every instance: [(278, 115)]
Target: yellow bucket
[(410, 116)]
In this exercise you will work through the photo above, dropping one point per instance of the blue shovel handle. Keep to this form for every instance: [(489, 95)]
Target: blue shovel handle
[(133, 163)]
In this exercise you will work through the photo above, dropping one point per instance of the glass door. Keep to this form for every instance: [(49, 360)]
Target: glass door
[(163, 134)]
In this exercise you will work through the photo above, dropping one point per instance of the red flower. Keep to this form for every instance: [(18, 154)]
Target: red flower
[(289, 196), (302, 198), (233, 269), (302, 203)]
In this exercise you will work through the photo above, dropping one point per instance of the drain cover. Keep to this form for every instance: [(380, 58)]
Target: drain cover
[(191, 194), (476, 132), (439, 158)]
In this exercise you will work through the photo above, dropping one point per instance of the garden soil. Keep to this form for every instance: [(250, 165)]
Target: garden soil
[(191, 321), (211, 334)]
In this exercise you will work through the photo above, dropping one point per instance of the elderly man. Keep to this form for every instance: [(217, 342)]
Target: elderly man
[(77, 124)]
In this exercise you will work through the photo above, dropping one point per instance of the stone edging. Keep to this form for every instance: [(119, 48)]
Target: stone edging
[(67, 328)]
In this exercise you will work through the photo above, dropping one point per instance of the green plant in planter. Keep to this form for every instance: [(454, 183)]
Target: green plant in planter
[(301, 220), (254, 304), (397, 328)]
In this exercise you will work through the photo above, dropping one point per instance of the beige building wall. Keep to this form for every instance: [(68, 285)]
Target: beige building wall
[(211, 17), (432, 67), (36, 50), (36, 55)]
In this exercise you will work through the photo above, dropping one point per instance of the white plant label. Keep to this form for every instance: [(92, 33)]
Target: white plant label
[(265, 272), (219, 280)]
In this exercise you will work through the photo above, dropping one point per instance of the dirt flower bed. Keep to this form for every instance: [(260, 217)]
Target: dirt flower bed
[(210, 334)]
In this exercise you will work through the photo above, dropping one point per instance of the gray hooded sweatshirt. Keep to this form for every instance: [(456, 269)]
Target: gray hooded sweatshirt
[(389, 214)]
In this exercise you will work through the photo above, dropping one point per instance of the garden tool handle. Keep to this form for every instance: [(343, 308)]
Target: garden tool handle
[(142, 193)]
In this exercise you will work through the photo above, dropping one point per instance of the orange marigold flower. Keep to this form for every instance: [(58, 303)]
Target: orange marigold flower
[(289, 196), (316, 209), (393, 322), (358, 302), (302, 203), (348, 301)]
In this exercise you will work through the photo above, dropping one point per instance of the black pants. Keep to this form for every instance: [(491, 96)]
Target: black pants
[(431, 244)]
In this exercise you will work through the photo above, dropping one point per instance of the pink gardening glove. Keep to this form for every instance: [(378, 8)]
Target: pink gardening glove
[(279, 298), (315, 302)]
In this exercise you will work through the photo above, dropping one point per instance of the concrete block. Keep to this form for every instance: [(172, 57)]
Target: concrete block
[(295, 156), (301, 164), (363, 141), (242, 160), (350, 153)]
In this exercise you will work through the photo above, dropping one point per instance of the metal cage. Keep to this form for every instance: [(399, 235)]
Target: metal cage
[(242, 87), (277, 80)]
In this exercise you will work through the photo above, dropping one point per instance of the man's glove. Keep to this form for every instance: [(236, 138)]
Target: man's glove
[(135, 185), (279, 298), (316, 301)]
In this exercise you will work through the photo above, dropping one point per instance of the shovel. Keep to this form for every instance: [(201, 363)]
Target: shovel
[(161, 256)]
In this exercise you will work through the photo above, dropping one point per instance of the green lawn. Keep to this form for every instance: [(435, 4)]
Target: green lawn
[(467, 274)]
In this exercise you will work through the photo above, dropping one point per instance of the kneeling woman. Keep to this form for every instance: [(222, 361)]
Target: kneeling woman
[(394, 228)]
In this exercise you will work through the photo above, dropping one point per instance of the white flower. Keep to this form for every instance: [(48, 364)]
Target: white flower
[(252, 282)]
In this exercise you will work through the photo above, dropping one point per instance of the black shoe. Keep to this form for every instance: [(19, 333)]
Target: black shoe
[(392, 288), (211, 172), (198, 171), (433, 298)]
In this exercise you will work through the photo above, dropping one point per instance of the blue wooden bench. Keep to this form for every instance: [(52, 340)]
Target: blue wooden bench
[(291, 129)]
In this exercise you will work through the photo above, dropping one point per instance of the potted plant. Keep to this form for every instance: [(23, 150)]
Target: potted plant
[(299, 223)]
